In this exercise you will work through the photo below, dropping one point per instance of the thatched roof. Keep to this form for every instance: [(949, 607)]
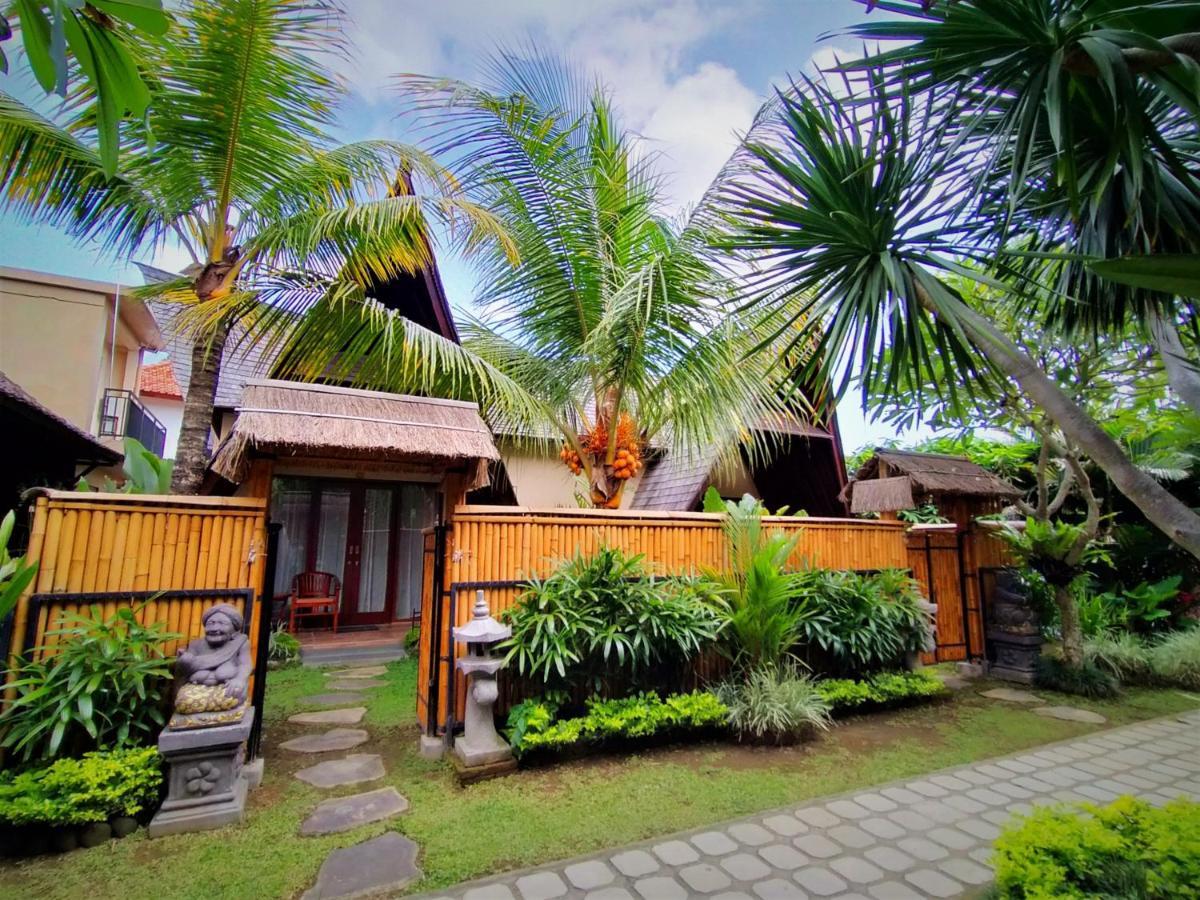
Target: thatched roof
[(314, 420), (917, 477)]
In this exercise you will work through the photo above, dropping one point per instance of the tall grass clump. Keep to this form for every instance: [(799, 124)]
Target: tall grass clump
[(1175, 658), (774, 703), (1123, 655)]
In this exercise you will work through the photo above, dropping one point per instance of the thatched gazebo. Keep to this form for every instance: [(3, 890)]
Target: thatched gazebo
[(892, 480)]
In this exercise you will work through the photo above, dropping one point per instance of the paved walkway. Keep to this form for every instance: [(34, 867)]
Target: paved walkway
[(925, 838)]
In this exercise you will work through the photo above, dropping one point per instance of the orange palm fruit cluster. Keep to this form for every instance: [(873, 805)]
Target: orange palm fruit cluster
[(627, 463), (569, 457)]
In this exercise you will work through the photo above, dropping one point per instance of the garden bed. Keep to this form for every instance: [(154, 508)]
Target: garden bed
[(546, 814)]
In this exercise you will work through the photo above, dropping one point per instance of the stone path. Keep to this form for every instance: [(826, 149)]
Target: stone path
[(384, 863), (928, 837)]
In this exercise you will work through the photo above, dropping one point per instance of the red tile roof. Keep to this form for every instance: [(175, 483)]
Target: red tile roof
[(158, 380)]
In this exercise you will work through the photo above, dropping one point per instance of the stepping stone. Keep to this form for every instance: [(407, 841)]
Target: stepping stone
[(1012, 696), (353, 769), (344, 813), (331, 699), (361, 672), (357, 684), (955, 682), (1071, 714), (351, 715), (383, 864), (334, 739)]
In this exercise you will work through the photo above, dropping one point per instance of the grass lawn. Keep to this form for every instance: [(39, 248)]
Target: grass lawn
[(541, 815)]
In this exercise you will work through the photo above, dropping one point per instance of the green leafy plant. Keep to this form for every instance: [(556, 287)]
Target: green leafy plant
[(860, 621), (1122, 655), (637, 717), (95, 788), (15, 573), (145, 472), (283, 648), (775, 703), (1084, 680), (602, 618), (101, 684), (1149, 605), (529, 717), (1126, 849), (880, 690), (1175, 658), (922, 515), (412, 639)]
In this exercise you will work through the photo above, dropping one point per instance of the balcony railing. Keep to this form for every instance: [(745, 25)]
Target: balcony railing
[(122, 415)]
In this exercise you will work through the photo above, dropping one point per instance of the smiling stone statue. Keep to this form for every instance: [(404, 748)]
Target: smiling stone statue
[(213, 672)]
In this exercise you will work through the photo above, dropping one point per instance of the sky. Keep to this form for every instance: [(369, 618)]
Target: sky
[(686, 75)]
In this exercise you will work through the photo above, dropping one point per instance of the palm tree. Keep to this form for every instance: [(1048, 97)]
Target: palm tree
[(869, 206), (237, 165), (613, 325)]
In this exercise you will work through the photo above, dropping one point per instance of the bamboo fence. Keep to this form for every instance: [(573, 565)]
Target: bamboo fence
[(101, 543)]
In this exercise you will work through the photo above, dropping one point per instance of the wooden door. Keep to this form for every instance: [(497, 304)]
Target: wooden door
[(935, 557), (368, 594)]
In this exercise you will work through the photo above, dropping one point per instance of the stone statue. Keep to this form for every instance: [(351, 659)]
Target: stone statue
[(213, 672)]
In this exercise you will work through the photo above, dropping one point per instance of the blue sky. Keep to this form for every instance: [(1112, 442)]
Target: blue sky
[(688, 76)]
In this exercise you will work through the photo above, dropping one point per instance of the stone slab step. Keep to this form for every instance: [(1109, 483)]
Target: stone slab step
[(355, 684), (1071, 714), (358, 673), (351, 656), (344, 813), (353, 769), (351, 715), (381, 865), (331, 699), (334, 739)]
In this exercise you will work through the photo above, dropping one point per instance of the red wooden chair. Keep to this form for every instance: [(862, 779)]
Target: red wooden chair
[(314, 594)]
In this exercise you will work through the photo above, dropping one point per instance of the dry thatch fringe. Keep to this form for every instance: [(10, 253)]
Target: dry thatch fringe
[(283, 417)]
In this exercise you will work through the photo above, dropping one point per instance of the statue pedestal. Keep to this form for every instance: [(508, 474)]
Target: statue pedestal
[(205, 787), (1016, 655)]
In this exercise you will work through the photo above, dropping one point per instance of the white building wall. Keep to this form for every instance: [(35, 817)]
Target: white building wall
[(170, 413)]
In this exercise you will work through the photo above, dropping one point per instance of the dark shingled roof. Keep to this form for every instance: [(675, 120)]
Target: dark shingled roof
[(83, 445), (934, 475)]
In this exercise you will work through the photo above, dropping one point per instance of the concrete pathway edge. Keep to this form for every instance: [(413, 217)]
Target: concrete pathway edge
[(716, 871)]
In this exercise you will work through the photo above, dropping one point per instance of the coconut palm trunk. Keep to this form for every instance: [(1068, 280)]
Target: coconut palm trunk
[(192, 451)]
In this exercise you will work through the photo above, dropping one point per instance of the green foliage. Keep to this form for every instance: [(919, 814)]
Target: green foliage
[(95, 788), (640, 716), (1146, 608), (863, 621), (1175, 658), (1051, 548), (97, 36), (922, 515), (532, 716), (881, 689), (774, 702), (603, 616), (1122, 655), (101, 685), (145, 472), (412, 638), (1013, 460), (1126, 849), (283, 648), (15, 572), (1086, 680)]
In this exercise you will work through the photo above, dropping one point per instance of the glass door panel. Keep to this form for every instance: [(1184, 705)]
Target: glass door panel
[(418, 511), (332, 530), (374, 546), (291, 507)]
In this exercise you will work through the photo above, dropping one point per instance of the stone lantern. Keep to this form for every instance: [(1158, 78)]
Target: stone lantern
[(481, 752)]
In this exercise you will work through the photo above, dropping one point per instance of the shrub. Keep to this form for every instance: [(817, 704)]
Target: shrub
[(102, 685), (863, 622), (1175, 659), (641, 716), (774, 703), (603, 617), (1122, 655), (412, 638), (283, 648), (1125, 849), (1086, 680), (79, 791), (881, 689)]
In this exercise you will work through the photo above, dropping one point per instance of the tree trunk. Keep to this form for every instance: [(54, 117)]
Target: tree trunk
[(1072, 635), (1157, 504), (191, 455), (1183, 374)]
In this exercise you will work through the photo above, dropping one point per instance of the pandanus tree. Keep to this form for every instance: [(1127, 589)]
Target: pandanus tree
[(612, 328), (235, 162), (869, 195)]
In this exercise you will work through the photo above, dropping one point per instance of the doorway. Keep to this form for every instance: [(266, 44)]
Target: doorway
[(367, 533)]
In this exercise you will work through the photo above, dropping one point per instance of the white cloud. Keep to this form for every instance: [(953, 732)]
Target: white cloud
[(688, 109)]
